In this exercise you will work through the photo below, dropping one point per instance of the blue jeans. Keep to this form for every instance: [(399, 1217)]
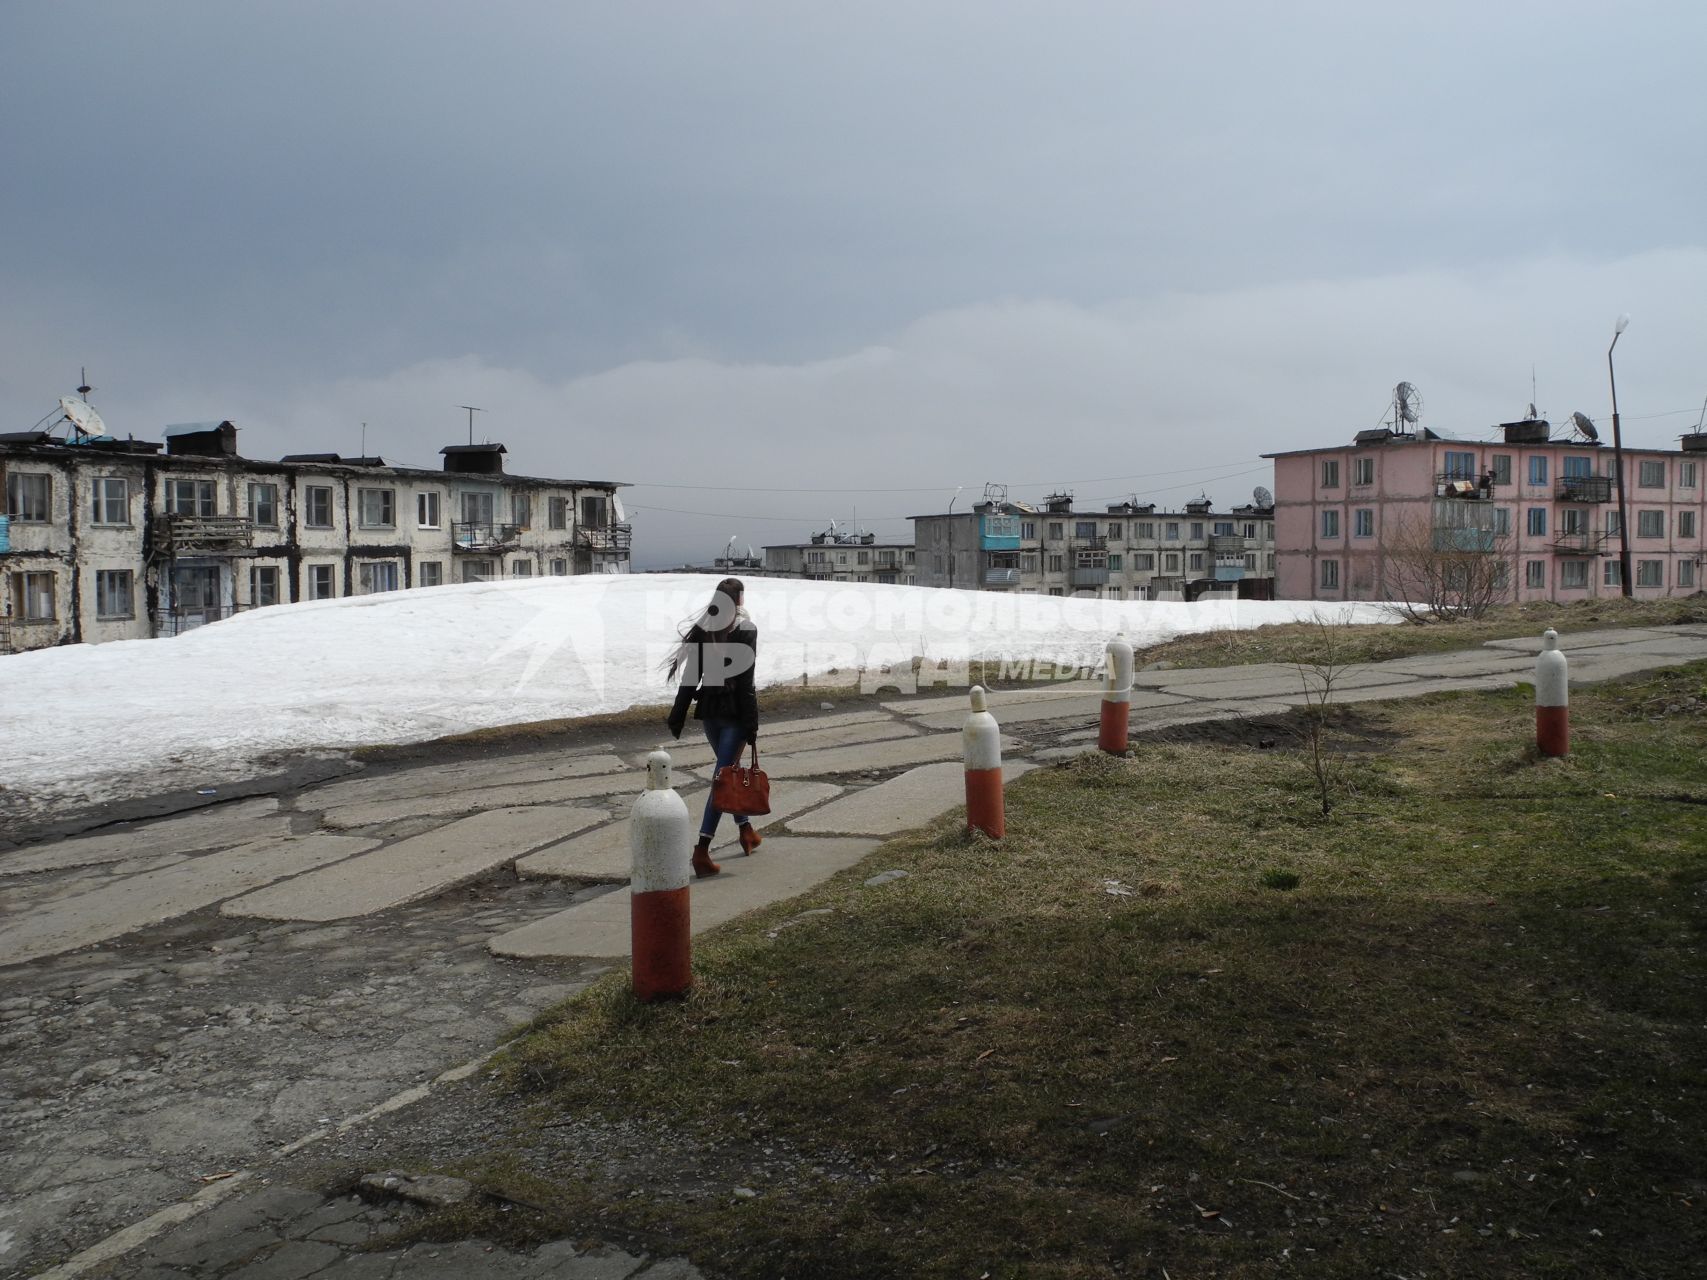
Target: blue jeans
[(727, 739)]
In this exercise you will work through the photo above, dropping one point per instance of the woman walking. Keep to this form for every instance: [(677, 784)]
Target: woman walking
[(714, 667)]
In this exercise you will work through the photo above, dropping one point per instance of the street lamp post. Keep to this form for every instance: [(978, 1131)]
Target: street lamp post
[(951, 503), (1618, 462)]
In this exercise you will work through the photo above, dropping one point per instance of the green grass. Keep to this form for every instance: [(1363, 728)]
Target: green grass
[(1178, 1019)]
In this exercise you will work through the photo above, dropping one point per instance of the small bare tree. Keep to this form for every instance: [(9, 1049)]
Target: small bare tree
[(1323, 661), (1452, 566)]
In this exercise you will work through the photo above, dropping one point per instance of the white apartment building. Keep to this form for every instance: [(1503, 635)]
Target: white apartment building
[(841, 557), (107, 539), (1127, 551)]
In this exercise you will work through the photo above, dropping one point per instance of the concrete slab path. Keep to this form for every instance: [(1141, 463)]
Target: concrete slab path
[(136, 901), (449, 803), (906, 801), (604, 855), (599, 928), (415, 868), (216, 827)]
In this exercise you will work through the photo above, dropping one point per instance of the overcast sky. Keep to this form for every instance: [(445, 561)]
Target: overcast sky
[(782, 263)]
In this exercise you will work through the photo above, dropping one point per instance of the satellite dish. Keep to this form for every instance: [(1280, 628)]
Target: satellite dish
[(1533, 416), (1408, 401), (81, 414), (1584, 426), (1262, 496)]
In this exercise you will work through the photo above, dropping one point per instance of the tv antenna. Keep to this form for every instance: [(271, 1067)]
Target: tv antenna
[(85, 389), (472, 410), (1407, 406), (1262, 497), (1585, 426)]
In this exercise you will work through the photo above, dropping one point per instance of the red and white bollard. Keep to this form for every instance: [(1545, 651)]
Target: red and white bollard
[(981, 743), (660, 840), (1116, 697), (1552, 698)]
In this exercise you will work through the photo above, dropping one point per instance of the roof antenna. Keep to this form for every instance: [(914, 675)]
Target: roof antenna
[(364, 439), (472, 410), (85, 389)]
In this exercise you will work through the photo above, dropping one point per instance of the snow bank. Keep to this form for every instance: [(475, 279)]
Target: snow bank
[(139, 715)]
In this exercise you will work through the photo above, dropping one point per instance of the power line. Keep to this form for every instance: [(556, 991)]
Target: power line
[(933, 488)]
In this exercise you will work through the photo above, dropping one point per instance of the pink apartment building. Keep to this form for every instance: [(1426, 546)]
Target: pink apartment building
[(1549, 506)]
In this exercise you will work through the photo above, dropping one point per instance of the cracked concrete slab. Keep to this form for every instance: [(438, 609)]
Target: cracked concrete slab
[(416, 868), (472, 776), (604, 855), (688, 756), (599, 927), (218, 826), (451, 803), (867, 756), (133, 903), (1076, 706), (909, 800)]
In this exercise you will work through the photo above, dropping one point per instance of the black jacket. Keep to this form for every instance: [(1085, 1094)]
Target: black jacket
[(735, 700)]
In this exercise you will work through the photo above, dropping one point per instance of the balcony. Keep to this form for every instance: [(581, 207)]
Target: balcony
[(1001, 577), (1465, 539), (178, 535), (1227, 544), (1082, 577), (1585, 488), (607, 539), (1591, 543), (482, 537), (1467, 488), (1090, 542)]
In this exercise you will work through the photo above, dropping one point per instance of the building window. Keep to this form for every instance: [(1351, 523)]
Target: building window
[(376, 576), (1116, 560), (477, 507), (1330, 524), (594, 512), (1251, 561), (1535, 573), (1460, 465), (1502, 468), (1056, 529), (1084, 529), (1197, 531), (427, 509), (1146, 529), (115, 593), (189, 498), (1650, 573), (1054, 591), (1363, 470), (1170, 562), (1614, 524), (1573, 574), (1577, 466), (1686, 475), (557, 512), (263, 585), (560, 568), (1028, 528), (1363, 522), (1250, 528), (477, 571), (112, 501), (521, 505), (1686, 573), (1223, 528), (430, 573), (1173, 531), (1686, 524), (1502, 521), (29, 497), (1538, 468), (264, 507), (32, 596), (1057, 564), (1116, 531), (1330, 574), (1573, 520), (864, 557), (317, 510), (1651, 475), (322, 580), (1331, 474), (1650, 524), (521, 569), (376, 508), (1196, 561), (1538, 522), (1612, 573)]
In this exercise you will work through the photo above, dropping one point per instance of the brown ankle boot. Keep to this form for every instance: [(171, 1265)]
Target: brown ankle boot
[(702, 864), (750, 839)]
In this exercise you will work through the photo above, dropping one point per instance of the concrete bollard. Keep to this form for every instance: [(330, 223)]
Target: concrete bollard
[(1116, 697), (1552, 697), (981, 743), (660, 841)]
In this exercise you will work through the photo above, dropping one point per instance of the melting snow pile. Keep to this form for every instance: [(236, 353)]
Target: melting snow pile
[(137, 715)]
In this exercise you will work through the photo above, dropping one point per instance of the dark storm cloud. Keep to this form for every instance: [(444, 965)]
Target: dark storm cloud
[(978, 237)]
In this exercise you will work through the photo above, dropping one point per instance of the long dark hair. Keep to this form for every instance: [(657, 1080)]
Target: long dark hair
[(720, 615)]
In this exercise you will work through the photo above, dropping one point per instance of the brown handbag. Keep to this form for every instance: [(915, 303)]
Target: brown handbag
[(744, 792)]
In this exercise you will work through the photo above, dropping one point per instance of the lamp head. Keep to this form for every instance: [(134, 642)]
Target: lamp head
[(1621, 324)]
